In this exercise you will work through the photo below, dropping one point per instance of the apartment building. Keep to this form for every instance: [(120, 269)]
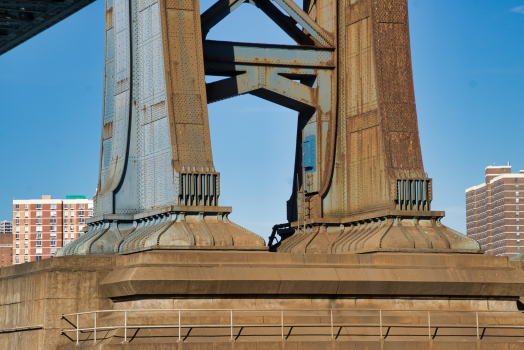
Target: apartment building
[(6, 226), (42, 226), (6, 249), (493, 211)]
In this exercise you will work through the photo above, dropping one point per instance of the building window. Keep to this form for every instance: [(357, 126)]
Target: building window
[(38, 243), (53, 250), (72, 213), (17, 214), (72, 236), (38, 214), (52, 221), (39, 207), (65, 236), (81, 206), (80, 228), (65, 206), (39, 229), (38, 236), (38, 257), (26, 244), (72, 228), (65, 228), (17, 206), (26, 236), (89, 205), (17, 221), (17, 236), (17, 259), (72, 206), (17, 244), (53, 213), (26, 221), (52, 243), (26, 251), (81, 213), (26, 258), (66, 213), (26, 206), (26, 229), (26, 214), (53, 235), (53, 206), (38, 250), (17, 229), (52, 228), (90, 213), (81, 221), (17, 251)]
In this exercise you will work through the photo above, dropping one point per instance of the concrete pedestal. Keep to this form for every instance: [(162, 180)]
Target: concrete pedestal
[(356, 287)]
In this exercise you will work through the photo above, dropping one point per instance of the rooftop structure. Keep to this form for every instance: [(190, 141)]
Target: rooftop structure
[(6, 227)]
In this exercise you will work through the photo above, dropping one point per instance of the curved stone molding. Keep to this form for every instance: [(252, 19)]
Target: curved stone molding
[(379, 234), (171, 230)]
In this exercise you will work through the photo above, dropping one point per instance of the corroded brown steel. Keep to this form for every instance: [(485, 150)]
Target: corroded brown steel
[(360, 184), (158, 188), (374, 193)]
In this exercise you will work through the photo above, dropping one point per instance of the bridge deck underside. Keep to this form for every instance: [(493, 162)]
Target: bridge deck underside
[(22, 20)]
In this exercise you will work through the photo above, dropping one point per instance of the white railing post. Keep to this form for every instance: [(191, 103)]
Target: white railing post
[(282, 322), (429, 326), (77, 326), (477, 325), (125, 326), (231, 325), (179, 325), (380, 311), (95, 328), (331, 324)]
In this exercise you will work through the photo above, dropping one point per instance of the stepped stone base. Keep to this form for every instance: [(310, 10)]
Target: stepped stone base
[(174, 227), (33, 297), (383, 230)]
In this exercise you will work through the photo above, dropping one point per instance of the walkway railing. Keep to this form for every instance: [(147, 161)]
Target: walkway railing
[(238, 314)]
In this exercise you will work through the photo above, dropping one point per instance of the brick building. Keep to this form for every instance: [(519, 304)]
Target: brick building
[(42, 226), (493, 211), (6, 249)]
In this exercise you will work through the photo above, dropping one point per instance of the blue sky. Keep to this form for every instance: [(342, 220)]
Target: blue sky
[(468, 65)]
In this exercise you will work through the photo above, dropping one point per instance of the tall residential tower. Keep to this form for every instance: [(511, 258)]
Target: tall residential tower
[(493, 211)]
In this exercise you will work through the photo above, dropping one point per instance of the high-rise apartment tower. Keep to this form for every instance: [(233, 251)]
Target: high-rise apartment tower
[(493, 211), (42, 226)]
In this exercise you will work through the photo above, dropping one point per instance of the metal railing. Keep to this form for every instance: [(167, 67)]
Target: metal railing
[(431, 326)]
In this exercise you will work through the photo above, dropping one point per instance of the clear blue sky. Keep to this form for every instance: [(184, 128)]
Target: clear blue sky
[(468, 62)]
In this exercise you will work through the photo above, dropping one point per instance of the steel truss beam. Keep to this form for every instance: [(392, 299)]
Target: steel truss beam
[(263, 54), (269, 72), (313, 34)]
